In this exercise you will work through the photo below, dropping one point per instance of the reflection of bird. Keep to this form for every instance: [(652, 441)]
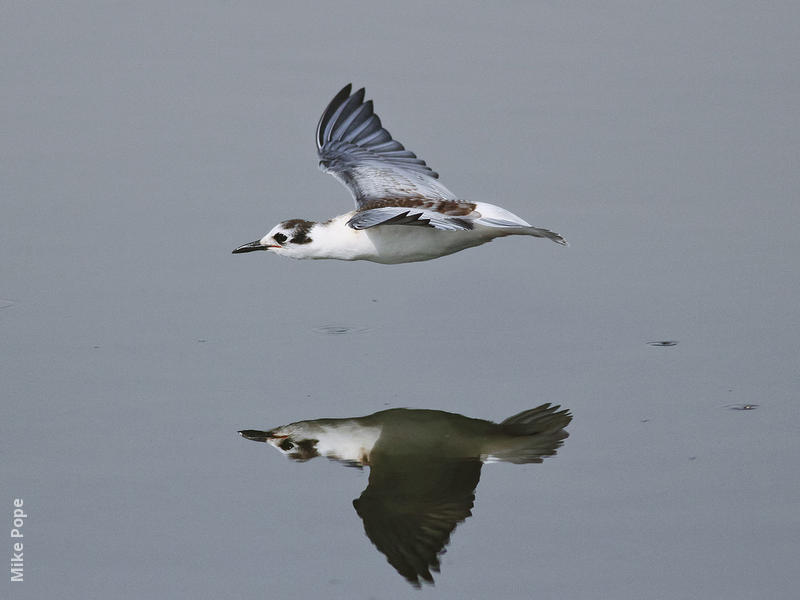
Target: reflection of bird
[(403, 214), (424, 467)]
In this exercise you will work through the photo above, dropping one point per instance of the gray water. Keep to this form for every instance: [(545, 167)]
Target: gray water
[(143, 142)]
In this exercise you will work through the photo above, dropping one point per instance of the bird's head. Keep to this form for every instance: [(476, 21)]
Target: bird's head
[(295, 441), (289, 238)]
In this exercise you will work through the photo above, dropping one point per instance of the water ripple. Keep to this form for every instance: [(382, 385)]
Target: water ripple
[(340, 329)]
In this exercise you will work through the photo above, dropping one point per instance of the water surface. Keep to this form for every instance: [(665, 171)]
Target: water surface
[(143, 141)]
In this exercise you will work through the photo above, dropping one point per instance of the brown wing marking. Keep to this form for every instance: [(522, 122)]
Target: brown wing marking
[(448, 208)]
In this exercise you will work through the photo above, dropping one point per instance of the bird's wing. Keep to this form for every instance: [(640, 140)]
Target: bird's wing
[(410, 509), (406, 215), (354, 147)]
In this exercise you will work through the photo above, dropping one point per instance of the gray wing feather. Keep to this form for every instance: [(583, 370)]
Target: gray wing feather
[(355, 148), (328, 118), (399, 215)]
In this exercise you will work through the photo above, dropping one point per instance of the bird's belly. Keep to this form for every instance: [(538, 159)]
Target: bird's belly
[(402, 243)]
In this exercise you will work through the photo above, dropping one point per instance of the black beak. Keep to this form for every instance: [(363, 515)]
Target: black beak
[(255, 435), (251, 247)]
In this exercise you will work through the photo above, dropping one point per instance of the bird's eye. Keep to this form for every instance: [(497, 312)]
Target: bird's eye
[(286, 445), (279, 237)]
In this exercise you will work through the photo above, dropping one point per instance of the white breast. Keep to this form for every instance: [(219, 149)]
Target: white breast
[(347, 441), (391, 244)]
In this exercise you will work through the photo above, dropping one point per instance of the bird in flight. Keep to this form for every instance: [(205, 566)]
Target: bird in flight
[(402, 214), (424, 468)]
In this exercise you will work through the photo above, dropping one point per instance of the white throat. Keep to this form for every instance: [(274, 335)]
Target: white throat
[(334, 239)]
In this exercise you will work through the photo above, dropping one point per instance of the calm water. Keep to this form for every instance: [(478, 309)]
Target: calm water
[(142, 143)]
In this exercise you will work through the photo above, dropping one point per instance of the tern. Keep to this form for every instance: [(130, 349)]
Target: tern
[(403, 213), (424, 468)]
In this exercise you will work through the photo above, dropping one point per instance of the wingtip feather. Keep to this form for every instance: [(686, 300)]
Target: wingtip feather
[(329, 111)]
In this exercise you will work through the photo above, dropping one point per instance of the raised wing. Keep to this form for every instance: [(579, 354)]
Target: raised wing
[(354, 147)]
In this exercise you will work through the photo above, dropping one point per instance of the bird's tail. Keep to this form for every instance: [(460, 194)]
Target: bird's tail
[(546, 233), (542, 419), (513, 225), (532, 434), (497, 216)]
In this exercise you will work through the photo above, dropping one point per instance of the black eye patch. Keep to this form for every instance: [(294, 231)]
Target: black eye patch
[(301, 238), (299, 229), (304, 450), (279, 237)]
